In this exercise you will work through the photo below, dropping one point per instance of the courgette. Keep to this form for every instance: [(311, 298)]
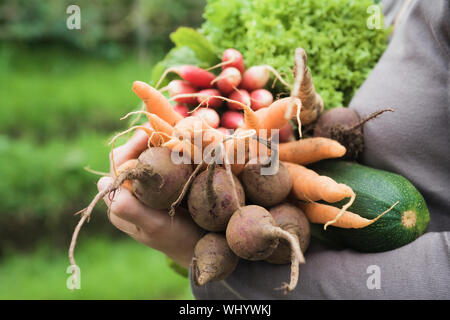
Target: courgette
[(376, 191)]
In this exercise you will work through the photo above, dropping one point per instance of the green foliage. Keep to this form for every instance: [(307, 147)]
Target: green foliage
[(341, 49), (110, 269), (104, 23), (59, 111), (191, 47), (58, 93), (49, 179), (188, 37), (175, 57)]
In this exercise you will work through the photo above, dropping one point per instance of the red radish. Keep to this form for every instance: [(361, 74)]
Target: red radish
[(241, 96), (192, 74), (255, 77), (228, 80), (182, 109), (177, 87), (232, 119), (286, 133), (260, 98), (236, 58), (210, 102), (224, 130), (209, 115)]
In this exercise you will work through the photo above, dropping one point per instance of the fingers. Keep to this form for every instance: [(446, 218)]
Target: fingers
[(123, 225), (126, 207), (132, 148)]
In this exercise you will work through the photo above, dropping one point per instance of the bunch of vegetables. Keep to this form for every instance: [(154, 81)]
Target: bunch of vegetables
[(245, 213), (341, 49), (202, 93)]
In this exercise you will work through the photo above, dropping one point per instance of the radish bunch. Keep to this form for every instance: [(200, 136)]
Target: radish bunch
[(218, 98)]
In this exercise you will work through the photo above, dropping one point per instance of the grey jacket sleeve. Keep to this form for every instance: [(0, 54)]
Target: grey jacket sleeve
[(419, 270), (412, 77)]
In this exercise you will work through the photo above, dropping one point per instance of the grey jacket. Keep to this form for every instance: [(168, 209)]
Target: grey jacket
[(412, 77)]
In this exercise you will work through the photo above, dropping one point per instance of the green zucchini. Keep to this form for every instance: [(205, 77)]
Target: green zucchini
[(376, 191)]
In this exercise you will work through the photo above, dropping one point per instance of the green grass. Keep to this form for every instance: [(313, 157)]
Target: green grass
[(53, 93), (58, 110), (49, 179), (110, 269)]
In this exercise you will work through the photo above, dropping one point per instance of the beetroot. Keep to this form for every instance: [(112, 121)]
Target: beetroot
[(213, 260), (286, 133), (211, 200), (291, 219), (266, 190), (333, 118), (344, 125), (252, 234), (156, 180)]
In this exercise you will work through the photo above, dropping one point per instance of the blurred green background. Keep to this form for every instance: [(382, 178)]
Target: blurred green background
[(62, 93)]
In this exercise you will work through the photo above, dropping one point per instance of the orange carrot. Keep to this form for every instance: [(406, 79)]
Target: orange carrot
[(192, 126), (156, 103), (159, 125), (272, 117), (322, 213), (184, 147), (309, 186), (160, 130), (309, 150)]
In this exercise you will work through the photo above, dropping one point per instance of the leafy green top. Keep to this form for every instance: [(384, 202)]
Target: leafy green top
[(341, 49)]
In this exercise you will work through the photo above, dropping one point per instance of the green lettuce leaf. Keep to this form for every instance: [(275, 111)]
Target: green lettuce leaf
[(203, 49)]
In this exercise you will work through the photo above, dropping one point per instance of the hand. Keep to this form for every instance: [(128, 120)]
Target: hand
[(175, 237)]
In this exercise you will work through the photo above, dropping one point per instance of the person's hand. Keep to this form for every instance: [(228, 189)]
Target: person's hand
[(175, 237)]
